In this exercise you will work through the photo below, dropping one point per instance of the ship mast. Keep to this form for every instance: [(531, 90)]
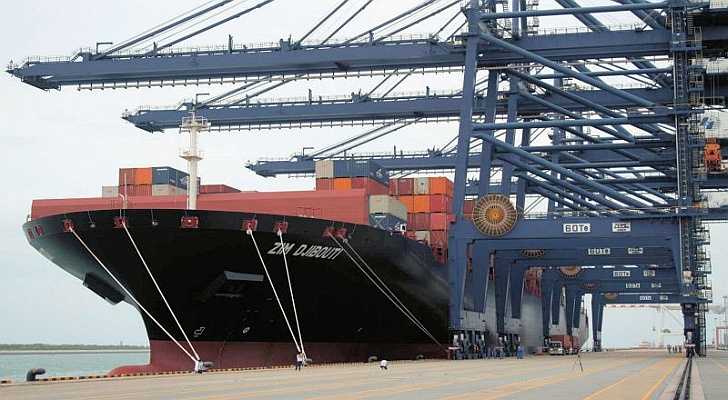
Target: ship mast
[(193, 125)]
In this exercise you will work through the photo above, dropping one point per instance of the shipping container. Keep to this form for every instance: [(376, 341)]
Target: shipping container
[(717, 199), (360, 169), (342, 183), (405, 186), (109, 191), (441, 185), (385, 204), (370, 185), (170, 176), (126, 176), (438, 238), (142, 176), (421, 222), (408, 201), (410, 235), (440, 221), (422, 185), (421, 204), (135, 190), (422, 236), (468, 207), (167, 190), (324, 184), (410, 221), (324, 169), (387, 222), (440, 203), (217, 188)]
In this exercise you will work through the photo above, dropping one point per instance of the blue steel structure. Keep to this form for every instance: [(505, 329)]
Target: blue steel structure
[(622, 172)]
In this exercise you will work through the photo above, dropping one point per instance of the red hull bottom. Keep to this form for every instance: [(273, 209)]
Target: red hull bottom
[(165, 356)]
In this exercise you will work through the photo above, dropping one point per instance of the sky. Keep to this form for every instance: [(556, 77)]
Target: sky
[(68, 143)]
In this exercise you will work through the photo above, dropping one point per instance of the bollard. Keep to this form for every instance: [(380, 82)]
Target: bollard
[(33, 373)]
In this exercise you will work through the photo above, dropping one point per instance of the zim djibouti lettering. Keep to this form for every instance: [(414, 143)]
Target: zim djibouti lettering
[(305, 250)]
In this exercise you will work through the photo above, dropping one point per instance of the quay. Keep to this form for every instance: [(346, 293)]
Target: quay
[(636, 374)]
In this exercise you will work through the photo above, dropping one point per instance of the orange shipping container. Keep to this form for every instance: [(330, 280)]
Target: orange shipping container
[(421, 204), (342, 183), (441, 185), (409, 202), (370, 185), (142, 176)]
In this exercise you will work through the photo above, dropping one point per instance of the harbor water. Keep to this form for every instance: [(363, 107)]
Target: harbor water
[(14, 365)]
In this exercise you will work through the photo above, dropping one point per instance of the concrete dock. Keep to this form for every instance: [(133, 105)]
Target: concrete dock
[(612, 375)]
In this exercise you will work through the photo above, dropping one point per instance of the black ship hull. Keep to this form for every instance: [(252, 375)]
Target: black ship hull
[(215, 283)]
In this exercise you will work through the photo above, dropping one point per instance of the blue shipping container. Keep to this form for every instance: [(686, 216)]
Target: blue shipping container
[(387, 222), (170, 176), (360, 169)]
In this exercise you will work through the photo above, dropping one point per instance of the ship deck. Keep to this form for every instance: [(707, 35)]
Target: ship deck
[(610, 375)]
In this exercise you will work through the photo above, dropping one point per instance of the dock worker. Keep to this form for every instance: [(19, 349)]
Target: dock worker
[(299, 361), (383, 364)]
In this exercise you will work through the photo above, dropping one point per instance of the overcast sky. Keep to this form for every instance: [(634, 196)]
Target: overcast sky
[(70, 143)]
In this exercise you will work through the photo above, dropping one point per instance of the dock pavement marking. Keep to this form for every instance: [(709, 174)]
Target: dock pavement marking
[(522, 386), (659, 365)]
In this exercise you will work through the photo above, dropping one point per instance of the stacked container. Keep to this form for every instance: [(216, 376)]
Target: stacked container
[(533, 282), (429, 210), (351, 174), (135, 182)]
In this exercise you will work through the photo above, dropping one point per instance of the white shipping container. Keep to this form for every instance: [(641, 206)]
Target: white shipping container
[(718, 4), (109, 191), (422, 186), (385, 204), (423, 235), (715, 123), (717, 199), (324, 168), (167, 190)]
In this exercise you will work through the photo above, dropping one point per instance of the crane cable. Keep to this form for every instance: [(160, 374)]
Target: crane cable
[(249, 232), (293, 299), (159, 290), (72, 230), (387, 293)]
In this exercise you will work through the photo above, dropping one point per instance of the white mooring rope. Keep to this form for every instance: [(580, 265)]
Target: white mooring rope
[(392, 298), (249, 232), (132, 296), (293, 299), (123, 224)]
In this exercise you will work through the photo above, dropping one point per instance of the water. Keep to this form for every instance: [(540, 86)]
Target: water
[(73, 363)]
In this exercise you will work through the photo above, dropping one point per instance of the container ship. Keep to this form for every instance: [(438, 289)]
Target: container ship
[(213, 280)]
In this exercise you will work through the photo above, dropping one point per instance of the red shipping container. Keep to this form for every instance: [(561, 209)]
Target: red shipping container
[(421, 222), (440, 203), (411, 221), (408, 201), (438, 238), (440, 221), (405, 186), (370, 185), (127, 176), (217, 188), (393, 188), (468, 207), (135, 190), (324, 184)]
